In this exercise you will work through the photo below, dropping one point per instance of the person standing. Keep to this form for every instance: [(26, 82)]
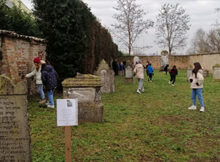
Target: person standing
[(139, 73), (196, 79), (166, 68), (115, 66), (173, 73), (121, 68), (37, 73), (49, 78), (150, 72)]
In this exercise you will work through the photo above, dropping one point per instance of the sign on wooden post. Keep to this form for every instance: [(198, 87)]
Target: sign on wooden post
[(67, 115)]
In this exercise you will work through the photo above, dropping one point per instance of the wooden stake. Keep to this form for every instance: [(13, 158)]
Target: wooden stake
[(68, 144)]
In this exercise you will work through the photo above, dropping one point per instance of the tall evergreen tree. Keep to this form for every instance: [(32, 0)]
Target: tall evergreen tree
[(66, 27)]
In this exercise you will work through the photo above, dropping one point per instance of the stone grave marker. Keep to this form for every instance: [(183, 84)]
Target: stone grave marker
[(86, 88), (128, 74), (107, 77), (216, 73), (14, 127)]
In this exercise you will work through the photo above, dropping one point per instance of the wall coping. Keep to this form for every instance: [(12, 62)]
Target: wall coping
[(15, 35), (200, 54)]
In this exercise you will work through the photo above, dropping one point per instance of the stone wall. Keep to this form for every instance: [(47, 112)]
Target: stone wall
[(207, 61), (182, 62), (155, 60), (18, 52)]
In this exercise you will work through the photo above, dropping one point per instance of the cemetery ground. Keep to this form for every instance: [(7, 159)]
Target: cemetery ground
[(153, 126)]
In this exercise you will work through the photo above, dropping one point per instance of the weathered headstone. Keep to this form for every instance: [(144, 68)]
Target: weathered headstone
[(216, 73), (86, 88), (14, 127), (128, 74), (107, 77), (188, 73), (205, 73)]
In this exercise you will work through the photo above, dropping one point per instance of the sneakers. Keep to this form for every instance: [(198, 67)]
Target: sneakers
[(138, 91), (42, 101), (50, 106), (142, 90), (169, 82), (172, 84), (202, 109), (193, 107)]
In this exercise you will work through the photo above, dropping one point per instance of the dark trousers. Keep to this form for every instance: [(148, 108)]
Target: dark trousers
[(150, 76), (173, 78)]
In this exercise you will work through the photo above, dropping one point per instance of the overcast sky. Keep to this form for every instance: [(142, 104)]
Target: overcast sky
[(202, 14)]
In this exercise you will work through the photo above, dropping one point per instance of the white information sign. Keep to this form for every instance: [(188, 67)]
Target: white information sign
[(67, 112)]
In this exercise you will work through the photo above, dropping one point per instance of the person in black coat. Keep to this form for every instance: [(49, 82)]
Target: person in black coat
[(115, 66), (49, 78)]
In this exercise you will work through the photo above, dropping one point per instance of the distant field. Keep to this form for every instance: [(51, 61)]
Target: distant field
[(153, 126)]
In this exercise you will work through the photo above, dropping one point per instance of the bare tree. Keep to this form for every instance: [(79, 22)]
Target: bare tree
[(172, 25), (199, 42), (130, 23)]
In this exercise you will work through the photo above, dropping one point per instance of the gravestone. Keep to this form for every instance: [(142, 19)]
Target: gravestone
[(216, 73), (14, 127), (86, 88), (188, 73), (107, 77), (128, 74), (205, 73)]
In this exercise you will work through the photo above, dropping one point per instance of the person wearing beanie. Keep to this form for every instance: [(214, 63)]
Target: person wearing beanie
[(37, 73)]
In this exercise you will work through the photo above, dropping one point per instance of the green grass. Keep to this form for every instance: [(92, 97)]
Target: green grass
[(153, 126)]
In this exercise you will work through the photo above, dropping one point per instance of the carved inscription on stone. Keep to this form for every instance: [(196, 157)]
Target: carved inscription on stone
[(14, 130)]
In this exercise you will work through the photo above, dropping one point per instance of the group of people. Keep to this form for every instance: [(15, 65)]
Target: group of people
[(196, 80), (118, 67), (46, 77)]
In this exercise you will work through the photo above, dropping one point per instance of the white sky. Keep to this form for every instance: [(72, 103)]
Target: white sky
[(202, 13)]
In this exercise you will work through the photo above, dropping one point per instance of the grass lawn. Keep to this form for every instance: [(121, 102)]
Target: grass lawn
[(153, 126)]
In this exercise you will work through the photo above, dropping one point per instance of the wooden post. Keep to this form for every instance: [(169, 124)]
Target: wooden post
[(68, 144)]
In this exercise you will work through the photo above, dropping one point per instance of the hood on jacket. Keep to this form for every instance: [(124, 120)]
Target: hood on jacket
[(48, 68)]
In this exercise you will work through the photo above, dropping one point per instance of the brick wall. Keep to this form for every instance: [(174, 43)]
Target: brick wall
[(18, 52)]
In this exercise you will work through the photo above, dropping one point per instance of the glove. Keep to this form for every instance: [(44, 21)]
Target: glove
[(197, 84), (191, 80)]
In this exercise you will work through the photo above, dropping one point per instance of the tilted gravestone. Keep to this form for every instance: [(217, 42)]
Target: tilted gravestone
[(14, 127), (86, 88), (216, 73), (107, 77)]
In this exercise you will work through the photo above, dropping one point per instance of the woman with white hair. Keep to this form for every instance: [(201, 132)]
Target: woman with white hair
[(139, 74)]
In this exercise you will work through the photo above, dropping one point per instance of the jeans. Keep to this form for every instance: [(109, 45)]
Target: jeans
[(140, 84), (50, 97), (40, 90), (197, 92)]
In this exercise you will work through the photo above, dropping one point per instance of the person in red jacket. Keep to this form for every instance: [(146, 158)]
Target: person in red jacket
[(173, 73)]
